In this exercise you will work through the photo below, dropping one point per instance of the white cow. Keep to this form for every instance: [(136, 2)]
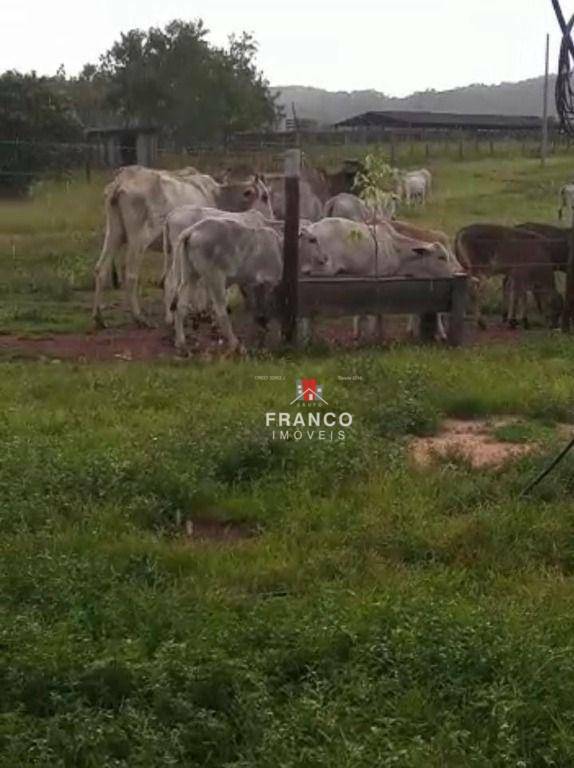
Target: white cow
[(217, 253), (347, 206), (137, 203), (341, 247), (338, 246), (414, 186), (567, 201), (183, 218)]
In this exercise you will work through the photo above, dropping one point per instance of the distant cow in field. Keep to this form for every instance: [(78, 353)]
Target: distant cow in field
[(522, 256), (217, 253), (567, 202), (414, 186), (137, 202)]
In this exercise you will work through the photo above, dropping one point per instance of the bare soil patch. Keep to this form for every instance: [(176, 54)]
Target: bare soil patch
[(472, 441), (137, 344)]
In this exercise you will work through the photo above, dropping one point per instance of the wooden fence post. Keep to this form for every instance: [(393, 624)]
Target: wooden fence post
[(455, 336), (290, 282)]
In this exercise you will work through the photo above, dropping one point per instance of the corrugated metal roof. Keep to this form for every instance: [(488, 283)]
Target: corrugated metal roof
[(407, 119)]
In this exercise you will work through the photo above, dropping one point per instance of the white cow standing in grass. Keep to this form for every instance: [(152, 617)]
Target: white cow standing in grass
[(217, 253), (414, 186), (137, 203)]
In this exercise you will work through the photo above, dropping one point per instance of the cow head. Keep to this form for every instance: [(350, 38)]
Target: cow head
[(244, 196), (312, 257), (426, 260)]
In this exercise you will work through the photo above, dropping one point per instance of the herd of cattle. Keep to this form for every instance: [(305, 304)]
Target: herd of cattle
[(218, 233)]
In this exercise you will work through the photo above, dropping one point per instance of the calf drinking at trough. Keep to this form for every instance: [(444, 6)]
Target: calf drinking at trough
[(183, 218), (217, 253)]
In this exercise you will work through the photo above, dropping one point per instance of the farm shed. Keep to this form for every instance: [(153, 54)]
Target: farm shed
[(444, 121), (125, 146)]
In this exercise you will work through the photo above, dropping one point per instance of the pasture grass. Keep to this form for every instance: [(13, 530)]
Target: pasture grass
[(384, 615)]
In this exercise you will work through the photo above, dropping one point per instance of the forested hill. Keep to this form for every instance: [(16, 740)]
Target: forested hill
[(524, 98)]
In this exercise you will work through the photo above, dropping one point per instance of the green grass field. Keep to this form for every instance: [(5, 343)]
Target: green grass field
[(381, 615)]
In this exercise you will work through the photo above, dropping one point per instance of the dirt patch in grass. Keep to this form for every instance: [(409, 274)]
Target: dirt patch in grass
[(473, 441), (133, 344)]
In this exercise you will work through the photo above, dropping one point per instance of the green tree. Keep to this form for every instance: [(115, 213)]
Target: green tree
[(35, 117), (175, 79)]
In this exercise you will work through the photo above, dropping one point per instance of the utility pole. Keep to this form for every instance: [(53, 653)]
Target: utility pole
[(544, 153)]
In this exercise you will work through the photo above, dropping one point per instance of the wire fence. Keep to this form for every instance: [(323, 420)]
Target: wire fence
[(22, 162)]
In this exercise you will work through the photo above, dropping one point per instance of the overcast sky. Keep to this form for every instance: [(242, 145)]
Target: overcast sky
[(394, 46)]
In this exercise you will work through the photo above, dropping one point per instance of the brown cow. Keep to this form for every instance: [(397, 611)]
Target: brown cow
[(558, 238), (524, 257)]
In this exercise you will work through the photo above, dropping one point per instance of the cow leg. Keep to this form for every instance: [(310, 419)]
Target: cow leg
[(477, 297), (216, 288), (181, 302), (362, 327), (412, 326), (505, 289), (102, 273), (116, 282), (134, 262), (305, 331), (169, 292), (440, 326), (512, 303), (379, 328)]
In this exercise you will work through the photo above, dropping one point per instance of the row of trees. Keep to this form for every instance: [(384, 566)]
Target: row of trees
[(171, 78)]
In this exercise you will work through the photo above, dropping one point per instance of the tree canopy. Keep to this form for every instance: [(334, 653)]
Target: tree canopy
[(36, 117), (175, 79)]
